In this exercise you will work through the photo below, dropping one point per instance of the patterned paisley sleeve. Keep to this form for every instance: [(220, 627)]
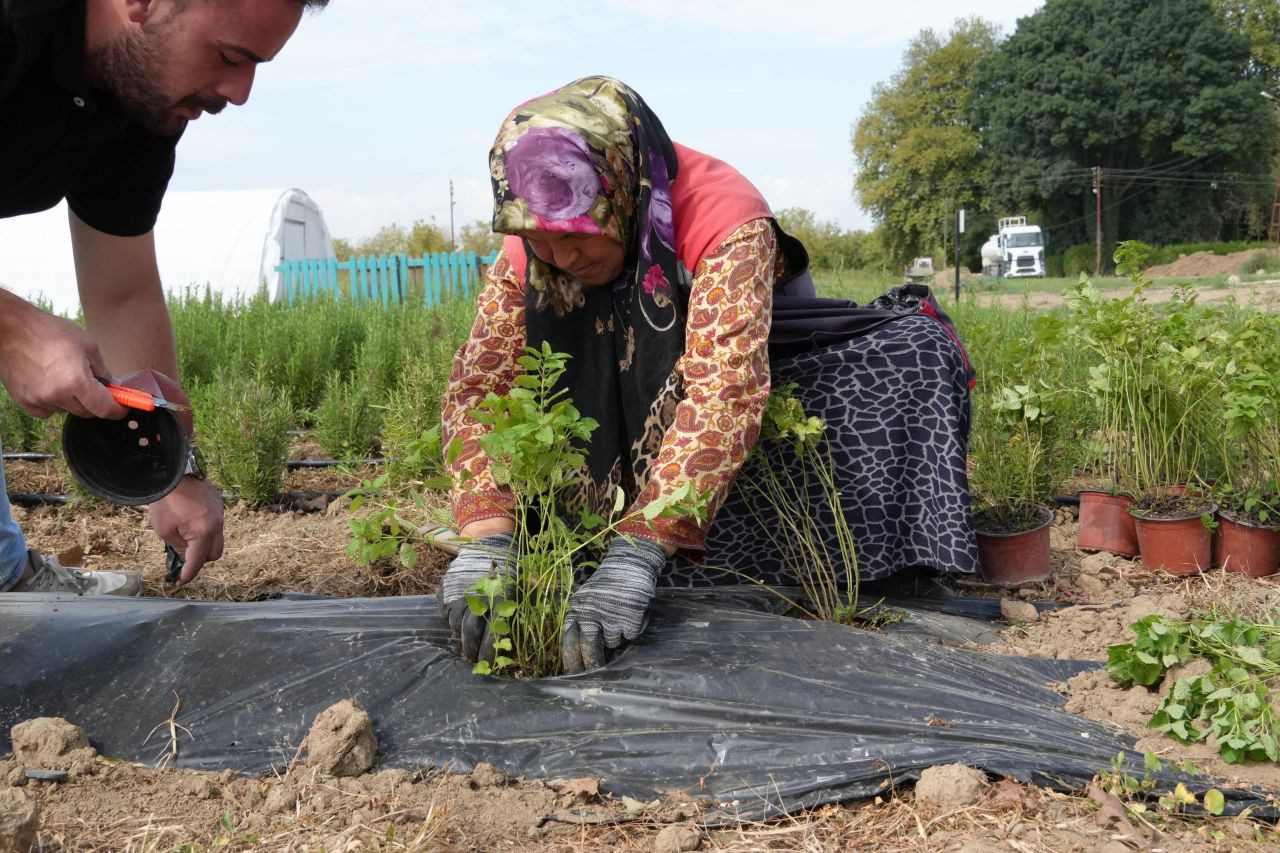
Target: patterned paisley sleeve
[(486, 362), (725, 368)]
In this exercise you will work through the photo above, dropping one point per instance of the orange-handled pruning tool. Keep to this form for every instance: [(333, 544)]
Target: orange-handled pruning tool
[(134, 398)]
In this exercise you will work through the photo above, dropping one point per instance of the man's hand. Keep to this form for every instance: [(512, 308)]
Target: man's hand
[(476, 560), (158, 384), (190, 520), (49, 364), (611, 605)]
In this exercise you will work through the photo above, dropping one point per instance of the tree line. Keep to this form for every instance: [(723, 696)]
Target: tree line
[(420, 238), (1144, 115), (1147, 115)]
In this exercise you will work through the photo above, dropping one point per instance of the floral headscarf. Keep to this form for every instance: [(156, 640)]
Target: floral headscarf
[(591, 158)]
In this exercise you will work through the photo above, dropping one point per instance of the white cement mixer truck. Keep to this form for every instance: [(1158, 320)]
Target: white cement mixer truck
[(1016, 251)]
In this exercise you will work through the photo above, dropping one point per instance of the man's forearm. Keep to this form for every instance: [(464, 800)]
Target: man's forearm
[(135, 333)]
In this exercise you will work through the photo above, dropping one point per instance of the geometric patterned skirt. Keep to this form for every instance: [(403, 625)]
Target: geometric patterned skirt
[(896, 405)]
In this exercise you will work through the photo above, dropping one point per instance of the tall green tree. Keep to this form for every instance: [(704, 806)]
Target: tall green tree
[(1156, 93), (418, 239), (918, 155), (1259, 20), (830, 247)]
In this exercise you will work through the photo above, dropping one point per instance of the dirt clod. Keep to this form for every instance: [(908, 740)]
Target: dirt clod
[(487, 776), (19, 821), (677, 838), (201, 788), (341, 741), (280, 801), (1018, 612), (52, 743), (950, 786)]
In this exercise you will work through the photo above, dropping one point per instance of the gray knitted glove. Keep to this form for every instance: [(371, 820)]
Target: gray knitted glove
[(611, 606), (475, 560)]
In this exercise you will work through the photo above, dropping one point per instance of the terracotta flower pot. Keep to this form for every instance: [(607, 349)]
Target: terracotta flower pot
[(1247, 548), (1106, 525), (1179, 546), (1011, 559)]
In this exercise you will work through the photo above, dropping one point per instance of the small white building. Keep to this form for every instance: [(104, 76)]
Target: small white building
[(229, 240)]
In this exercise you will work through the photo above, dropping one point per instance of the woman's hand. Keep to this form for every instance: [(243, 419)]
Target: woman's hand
[(611, 606), (493, 554)]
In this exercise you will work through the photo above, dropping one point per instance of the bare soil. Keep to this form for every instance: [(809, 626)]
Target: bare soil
[(107, 804)]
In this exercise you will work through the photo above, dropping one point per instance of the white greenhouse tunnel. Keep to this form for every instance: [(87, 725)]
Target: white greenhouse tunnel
[(230, 241)]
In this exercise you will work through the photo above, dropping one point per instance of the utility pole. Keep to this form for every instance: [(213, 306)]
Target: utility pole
[(959, 231), (453, 246), (1097, 221)]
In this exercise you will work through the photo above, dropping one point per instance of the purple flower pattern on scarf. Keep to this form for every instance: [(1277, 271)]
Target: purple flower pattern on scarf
[(550, 168), (660, 221)]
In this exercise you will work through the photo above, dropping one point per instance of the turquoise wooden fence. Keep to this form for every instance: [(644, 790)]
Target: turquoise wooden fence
[(385, 278)]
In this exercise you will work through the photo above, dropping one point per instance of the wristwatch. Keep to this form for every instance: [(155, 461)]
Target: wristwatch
[(195, 463)]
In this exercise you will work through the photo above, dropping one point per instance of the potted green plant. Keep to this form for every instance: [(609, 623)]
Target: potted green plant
[(1167, 382), (1114, 332), (1248, 490), (1018, 463)]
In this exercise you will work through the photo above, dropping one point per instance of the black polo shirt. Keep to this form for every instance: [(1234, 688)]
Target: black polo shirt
[(61, 139)]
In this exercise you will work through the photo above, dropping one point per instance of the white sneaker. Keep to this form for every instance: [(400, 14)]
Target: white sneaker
[(51, 576)]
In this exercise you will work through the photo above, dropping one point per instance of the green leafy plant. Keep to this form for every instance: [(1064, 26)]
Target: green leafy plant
[(534, 443), (1023, 445), (1250, 433), (1155, 381), (1231, 701), (792, 488)]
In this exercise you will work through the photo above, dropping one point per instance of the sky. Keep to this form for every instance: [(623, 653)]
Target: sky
[(375, 106)]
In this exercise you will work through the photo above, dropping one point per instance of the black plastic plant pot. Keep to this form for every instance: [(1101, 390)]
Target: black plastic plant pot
[(136, 460)]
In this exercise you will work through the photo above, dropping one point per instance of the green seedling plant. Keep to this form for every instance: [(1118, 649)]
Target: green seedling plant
[(534, 443), (788, 490), (386, 531), (1231, 701)]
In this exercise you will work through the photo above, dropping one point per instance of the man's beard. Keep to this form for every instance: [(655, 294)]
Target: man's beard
[(131, 67)]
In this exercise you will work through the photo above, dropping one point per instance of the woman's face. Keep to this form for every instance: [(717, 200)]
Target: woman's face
[(592, 259)]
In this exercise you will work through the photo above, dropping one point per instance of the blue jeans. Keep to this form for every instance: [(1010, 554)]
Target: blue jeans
[(13, 548)]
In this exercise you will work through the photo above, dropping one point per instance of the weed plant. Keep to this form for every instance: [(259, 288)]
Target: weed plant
[(1231, 702), (244, 430)]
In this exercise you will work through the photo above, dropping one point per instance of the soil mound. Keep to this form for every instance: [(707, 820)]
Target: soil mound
[(341, 741)]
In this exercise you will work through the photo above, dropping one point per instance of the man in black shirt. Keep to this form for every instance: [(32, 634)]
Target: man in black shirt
[(94, 95)]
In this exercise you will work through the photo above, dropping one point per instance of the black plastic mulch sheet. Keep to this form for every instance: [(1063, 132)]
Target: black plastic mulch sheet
[(720, 698)]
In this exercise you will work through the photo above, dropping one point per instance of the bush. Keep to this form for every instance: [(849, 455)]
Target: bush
[(22, 433), (412, 409), (1078, 259), (244, 432), (1260, 260), (347, 421)]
